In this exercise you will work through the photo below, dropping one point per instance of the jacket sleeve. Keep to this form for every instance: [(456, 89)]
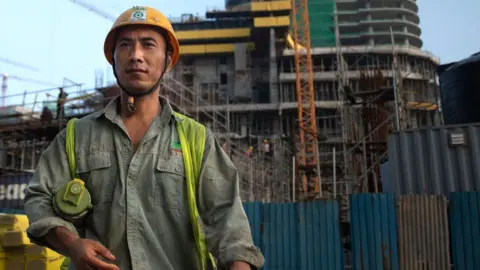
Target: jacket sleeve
[(51, 172), (226, 225)]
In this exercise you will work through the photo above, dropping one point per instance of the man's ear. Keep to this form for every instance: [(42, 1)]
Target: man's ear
[(169, 60)]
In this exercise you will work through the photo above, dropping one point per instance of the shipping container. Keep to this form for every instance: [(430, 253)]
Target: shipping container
[(12, 191), (459, 90), (435, 160), (423, 232), (373, 232)]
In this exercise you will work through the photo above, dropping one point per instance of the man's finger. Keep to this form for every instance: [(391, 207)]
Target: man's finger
[(100, 249), (96, 263)]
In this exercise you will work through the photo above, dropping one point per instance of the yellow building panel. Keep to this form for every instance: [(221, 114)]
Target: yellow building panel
[(209, 48), (219, 48), (213, 34), (280, 21), (192, 49), (271, 6), (422, 106)]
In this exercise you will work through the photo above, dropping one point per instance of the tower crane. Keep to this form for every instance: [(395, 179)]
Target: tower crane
[(94, 9), (17, 64), (308, 169), (5, 75)]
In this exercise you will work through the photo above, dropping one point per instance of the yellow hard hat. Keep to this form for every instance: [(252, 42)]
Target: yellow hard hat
[(142, 16)]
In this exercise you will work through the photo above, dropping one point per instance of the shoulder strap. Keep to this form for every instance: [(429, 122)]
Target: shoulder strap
[(70, 147), (193, 135)]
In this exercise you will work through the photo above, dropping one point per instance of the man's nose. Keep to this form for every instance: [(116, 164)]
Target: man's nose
[(136, 54)]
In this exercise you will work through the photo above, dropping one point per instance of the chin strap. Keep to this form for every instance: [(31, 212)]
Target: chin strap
[(131, 96)]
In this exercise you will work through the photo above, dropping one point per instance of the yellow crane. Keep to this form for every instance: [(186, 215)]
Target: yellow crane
[(307, 144)]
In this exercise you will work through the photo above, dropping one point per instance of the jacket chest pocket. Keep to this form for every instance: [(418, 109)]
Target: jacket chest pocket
[(99, 176), (169, 187)]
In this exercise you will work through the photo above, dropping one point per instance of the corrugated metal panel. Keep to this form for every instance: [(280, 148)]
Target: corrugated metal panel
[(12, 211), (373, 230), (12, 190), (465, 230), (422, 161), (254, 214), (320, 247), (423, 232), (280, 237), (385, 176), (297, 235)]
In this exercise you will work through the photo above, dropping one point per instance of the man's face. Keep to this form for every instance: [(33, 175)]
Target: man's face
[(139, 58)]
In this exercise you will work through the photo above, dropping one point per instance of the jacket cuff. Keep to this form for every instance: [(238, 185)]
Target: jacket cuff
[(250, 254), (39, 229)]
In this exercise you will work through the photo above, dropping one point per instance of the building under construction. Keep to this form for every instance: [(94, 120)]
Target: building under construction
[(240, 74)]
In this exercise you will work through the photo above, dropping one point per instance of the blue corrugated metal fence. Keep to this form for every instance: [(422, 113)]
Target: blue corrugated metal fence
[(465, 230), (373, 230), (297, 235)]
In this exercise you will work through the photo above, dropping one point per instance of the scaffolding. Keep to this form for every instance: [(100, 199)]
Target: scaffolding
[(25, 134)]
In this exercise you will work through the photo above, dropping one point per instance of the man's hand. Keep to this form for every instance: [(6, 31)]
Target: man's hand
[(83, 254), (240, 266)]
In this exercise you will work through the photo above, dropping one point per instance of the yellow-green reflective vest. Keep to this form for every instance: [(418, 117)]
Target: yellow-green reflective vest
[(193, 147)]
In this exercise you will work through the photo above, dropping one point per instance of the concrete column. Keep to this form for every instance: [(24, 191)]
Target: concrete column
[(273, 68)]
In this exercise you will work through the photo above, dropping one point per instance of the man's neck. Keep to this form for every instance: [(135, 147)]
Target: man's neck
[(147, 108)]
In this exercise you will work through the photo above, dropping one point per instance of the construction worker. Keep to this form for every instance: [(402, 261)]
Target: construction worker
[(147, 210), (62, 97), (46, 117), (249, 152)]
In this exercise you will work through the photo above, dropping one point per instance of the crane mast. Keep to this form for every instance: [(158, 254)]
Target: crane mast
[(5, 76), (307, 144)]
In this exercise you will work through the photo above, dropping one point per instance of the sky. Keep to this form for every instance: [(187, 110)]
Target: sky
[(59, 41)]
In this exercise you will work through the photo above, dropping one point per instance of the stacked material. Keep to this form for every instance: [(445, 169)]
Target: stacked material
[(15, 114), (16, 251)]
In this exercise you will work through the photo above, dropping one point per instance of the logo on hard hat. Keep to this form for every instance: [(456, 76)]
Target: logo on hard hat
[(138, 14)]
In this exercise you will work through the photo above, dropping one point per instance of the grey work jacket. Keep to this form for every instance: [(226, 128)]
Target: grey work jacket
[(140, 210)]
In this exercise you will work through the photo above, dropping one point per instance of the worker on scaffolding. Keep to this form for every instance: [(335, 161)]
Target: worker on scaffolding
[(137, 160), (62, 97), (249, 152)]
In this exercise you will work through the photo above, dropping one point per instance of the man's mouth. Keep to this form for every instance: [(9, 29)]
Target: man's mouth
[(136, 70)]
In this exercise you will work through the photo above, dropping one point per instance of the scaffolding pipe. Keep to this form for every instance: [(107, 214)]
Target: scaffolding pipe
[(365, 168), (395, 95), (334, 174), (251, 181), (320, 190), (293, 179)]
